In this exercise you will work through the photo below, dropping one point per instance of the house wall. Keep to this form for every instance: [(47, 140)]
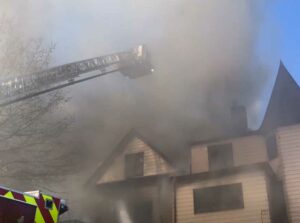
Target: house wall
[(256, 207), (246, 150), (153, 163), (113, 202), (288, 142)]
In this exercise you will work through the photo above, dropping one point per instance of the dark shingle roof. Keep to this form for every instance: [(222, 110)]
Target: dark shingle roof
[(284, 105)]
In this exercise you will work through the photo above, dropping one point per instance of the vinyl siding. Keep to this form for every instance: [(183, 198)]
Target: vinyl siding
[(288, 141), (256, 209), (246, 150), (153, 163), (199, 157)]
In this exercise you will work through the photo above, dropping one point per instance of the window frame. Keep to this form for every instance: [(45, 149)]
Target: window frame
[(215, 148), (140, 161), (221, 206)]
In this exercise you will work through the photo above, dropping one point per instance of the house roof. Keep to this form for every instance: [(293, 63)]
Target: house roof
[(282, 109), (225, 137), (118, 150), (284, 105), (262, 166)]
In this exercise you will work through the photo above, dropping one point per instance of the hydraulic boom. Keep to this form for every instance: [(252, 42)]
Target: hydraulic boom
[(133, 63)]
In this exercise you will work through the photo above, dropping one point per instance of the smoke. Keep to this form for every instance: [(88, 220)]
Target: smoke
[(205, 57), (204, 53)]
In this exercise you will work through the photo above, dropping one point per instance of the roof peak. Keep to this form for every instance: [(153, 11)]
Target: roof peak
[(284, 72), (282, 108)]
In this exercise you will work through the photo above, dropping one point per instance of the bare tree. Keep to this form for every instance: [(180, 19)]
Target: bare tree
[(30, 130)]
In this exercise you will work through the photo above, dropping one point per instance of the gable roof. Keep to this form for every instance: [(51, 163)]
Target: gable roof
[(284, 105), (283, 108), (118, 150)]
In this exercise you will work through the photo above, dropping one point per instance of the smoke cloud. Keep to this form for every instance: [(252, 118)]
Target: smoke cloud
[(204, 53)]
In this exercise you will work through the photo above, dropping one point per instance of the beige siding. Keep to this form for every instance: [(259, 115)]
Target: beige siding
[(153, 163), (246, 150), (275, 164), (256, 209), (288, 140), (249, 150), (199, 158)]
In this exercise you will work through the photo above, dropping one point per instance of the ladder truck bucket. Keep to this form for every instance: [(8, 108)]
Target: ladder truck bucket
[(140, 65)]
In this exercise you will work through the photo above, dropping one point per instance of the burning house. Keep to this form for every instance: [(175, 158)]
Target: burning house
[(241, 176)]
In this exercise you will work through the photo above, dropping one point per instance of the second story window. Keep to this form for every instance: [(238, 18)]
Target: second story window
[(218, 198), (271, 146), (220, 156), (134, 165)]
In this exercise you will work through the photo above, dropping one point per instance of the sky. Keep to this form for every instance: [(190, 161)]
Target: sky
[(190, 37), (288, 12)]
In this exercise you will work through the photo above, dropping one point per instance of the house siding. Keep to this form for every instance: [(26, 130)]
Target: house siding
[(246, 150), (256, 205), (199, 157), (154, 164), (288, 141)]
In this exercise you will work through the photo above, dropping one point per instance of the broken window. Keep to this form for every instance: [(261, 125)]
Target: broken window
[(218, 198), (134, 165), (220, 156)]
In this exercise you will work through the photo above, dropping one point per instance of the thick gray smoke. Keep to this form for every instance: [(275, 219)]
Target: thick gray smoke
[(204, 53), (205, 57)]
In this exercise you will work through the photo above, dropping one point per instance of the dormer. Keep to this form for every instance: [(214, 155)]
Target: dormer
[(228, 153), (134, 157)]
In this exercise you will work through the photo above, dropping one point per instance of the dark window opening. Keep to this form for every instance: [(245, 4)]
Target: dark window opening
[(134, 165), (271, 147), (49, 204), (220, 156), (141, 211), (218, 198)]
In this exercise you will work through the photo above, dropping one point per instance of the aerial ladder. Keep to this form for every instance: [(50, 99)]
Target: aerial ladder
[(132, 63), (36, 206)]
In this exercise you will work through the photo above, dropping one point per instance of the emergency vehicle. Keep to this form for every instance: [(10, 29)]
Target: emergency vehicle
[(30, 207), (35, 206)]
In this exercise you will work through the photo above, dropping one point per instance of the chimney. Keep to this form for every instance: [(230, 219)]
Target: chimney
[(239, 119)]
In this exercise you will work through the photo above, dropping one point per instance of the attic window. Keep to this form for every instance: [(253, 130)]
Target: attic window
[(220, 156), (134, 165)]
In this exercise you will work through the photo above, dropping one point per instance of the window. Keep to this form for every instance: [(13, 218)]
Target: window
[(134, 165), (271, 147), (48, 204), (219, 198), (141, 211), (220, 156)]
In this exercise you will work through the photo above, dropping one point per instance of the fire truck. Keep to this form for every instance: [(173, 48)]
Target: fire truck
[(30, 207), (36, 206)]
